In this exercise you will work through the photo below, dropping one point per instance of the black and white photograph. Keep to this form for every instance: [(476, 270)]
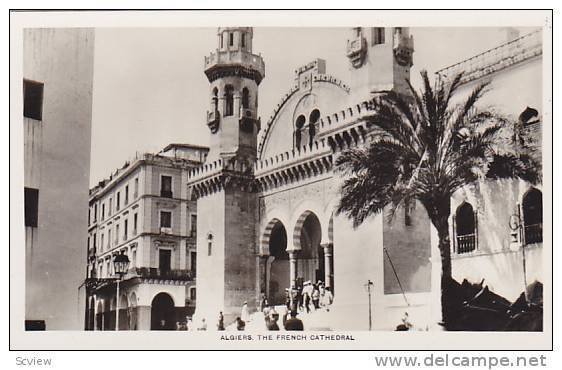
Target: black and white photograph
[(252, 181)]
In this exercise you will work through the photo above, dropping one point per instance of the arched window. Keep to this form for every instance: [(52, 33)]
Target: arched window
[(465, 222), (532, 216), (245, 98), (314, 117), (228, 100), (299, 124), (215, 99)]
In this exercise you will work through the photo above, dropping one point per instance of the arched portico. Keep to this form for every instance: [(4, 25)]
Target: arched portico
[(162, 312), (276, 274), (308, 261)]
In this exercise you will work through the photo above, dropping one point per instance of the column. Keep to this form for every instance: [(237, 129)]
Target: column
[(293, 267), (329, 275)]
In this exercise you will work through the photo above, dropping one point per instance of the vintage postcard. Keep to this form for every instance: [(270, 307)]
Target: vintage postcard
[(281, 180)]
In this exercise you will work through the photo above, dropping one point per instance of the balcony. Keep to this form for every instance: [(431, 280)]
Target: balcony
[(356, 50), (466, 243), (533, 233), (155, 273)]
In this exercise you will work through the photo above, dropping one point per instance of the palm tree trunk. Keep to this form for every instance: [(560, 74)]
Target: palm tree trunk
[(439, 211), (442, 227)]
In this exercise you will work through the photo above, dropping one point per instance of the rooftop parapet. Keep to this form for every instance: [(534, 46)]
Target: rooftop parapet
[(513, 52), (221, 59)]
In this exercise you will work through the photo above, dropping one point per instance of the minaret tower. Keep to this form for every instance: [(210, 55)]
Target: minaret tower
[(380, 59), (227, 202), (234, 73)]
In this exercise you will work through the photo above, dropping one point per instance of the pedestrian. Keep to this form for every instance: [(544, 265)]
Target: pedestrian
[(202, 325), (263, 301), (240, 324), (245, 314), (271, 319), (316, 298), (326, 299), (287, 298), (220, 324), (293, 324)]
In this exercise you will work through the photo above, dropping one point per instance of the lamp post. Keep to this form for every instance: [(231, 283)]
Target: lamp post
[(121, 265), (368, 287)]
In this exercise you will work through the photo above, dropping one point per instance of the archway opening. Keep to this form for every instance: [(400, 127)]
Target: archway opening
[(123, 313), (466, 228), (299, 125), (279, 276), (310, 258), (162, 313), (312, 121), (99, 316), (532, 216)]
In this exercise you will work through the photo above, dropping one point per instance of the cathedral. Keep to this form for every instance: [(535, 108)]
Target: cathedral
[(267, 192)]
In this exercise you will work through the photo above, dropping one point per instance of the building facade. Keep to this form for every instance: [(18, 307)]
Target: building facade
[(143, 211), (58, 69), (496, 226), (266, 194)]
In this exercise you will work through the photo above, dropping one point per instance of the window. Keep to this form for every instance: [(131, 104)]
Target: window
[(33, 99), (95, 212), (466, 228), (378, 35), (31, 210), (228, 100), (532, 216), (164, 260), (136, 188), (89, 212), (245, 98), (134, 258), (299, 124), (101, 270), (165, 219), (108, 267), (125, 229), (215, 99), (108, 238), (118, 201), (231, 39), (110, 207), (314, 117), (209, 244), (126, 194), (243, 40), (193, 261), (193, 293), (101, 242), (117, 234), (166, 186), (95, 240), (222, 40), (102, 211), (135, 219), (193, 225)]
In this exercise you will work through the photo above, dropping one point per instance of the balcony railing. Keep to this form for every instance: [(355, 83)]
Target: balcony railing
[(466, 243), (533, 233), (154, 273)]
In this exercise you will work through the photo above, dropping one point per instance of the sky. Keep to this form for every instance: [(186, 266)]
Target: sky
[(150, 89)]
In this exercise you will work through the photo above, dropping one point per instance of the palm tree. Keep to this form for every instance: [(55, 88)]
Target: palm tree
[(425, 147)]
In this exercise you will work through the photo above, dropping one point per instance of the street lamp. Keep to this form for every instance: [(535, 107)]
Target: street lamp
[(368, 286), (120, 265)]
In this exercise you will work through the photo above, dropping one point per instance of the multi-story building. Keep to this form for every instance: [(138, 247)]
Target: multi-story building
[(58, 66), (144, 211)]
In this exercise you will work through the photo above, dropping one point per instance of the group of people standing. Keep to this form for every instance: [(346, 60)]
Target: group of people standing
[(308, 296)]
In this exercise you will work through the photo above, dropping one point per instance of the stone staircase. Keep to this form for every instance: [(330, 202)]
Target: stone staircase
[(316, 320)]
